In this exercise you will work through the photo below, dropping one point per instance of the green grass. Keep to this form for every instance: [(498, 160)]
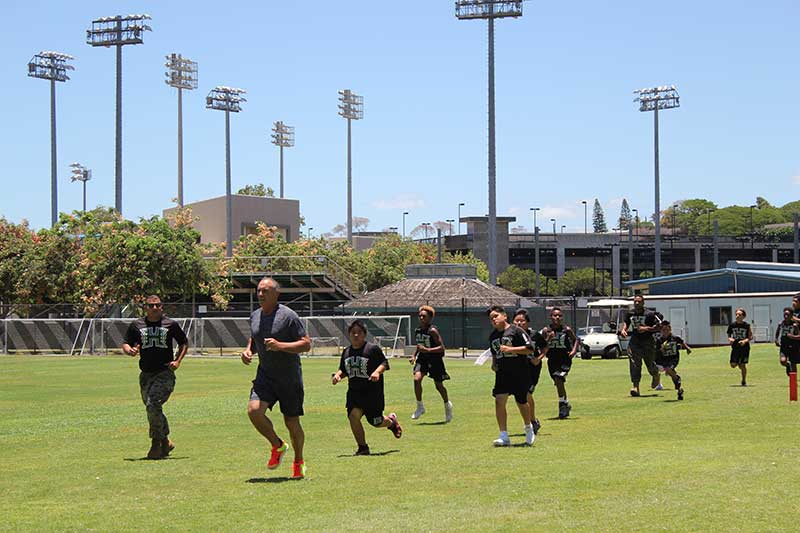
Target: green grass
[(72, 431)]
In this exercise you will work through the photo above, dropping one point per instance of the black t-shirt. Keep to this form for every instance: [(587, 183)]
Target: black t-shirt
[(511, 336), (359, 364), (562, 342), (425, 338), (537, 341), (668, 347), (155, 339), (787, 345), (634, 319), (738, 332)]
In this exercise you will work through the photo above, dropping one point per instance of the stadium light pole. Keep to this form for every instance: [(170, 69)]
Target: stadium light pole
[(351, 107), (425, 226), (490, 10), (450, 222), (118, 31), (637, 223), (752, 233), (51, 66), (282, 137), (181, 74), (310, 229), (585, 217), (554, 226), (535, 248), (460, 205), (654, 99), (83, 174), (228, 99), (404, 223), (562, 228)]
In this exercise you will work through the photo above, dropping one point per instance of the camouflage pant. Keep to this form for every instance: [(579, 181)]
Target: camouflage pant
[(156, 388), (642, 353)]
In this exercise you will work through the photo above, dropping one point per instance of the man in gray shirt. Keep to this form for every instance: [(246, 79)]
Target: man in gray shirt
[(278, 336)]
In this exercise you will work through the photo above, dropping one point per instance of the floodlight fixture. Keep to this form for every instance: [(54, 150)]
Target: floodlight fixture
[(82, 174), (282, 137), (655, 99), (52, 66), (228, 99), (118, 31), (490, 10), (486, 9), (351, 107)]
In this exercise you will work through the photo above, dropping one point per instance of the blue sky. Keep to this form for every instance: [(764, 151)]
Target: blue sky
[(567, 127)]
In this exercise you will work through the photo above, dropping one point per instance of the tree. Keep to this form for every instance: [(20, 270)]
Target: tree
[(360, 223), (257, 190), (585, 282), (598, 218), (339, 229), (624, 215), (519, 229)]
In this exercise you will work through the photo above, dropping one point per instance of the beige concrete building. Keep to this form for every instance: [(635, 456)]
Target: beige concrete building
[(246, 211)]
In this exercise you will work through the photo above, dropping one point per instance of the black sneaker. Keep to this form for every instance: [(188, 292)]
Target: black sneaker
[(680, 393), (744, 383), (362, 450), (536, 426), (635, 393), (563, 410)]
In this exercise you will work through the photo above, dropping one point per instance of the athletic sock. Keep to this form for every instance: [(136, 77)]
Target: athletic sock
[(504, 435), (562, 399)]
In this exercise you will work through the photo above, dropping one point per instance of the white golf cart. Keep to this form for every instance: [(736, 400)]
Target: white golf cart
[(603, 325)]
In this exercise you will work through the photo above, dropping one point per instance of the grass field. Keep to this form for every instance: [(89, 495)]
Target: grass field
[(73, 432)]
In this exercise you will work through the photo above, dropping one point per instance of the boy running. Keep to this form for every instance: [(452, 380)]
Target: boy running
[(429, 360), (739, 336), (523, 321), (561, 348), (510, 347), (640, 325), (668, 354), (787, 335), (364, 363)]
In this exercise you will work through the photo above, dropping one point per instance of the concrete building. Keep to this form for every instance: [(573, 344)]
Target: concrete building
[(246, 211), (619, 254)]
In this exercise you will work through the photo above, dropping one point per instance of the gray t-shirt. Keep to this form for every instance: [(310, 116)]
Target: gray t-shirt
[(283, 325)]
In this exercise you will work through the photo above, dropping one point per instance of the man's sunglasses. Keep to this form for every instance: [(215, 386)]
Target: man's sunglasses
[(153, 306)]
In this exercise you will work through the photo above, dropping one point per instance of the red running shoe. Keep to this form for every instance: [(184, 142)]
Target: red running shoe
[(276, 455)]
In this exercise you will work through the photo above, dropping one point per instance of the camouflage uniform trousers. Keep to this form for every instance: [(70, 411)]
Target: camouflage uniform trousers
[(156, 388), (638, 353)]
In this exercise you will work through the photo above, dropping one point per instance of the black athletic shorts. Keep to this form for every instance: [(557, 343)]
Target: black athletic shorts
[(740, 354), (667, 362), (433, 367), (535, 372), (559, 366), (288, 392), (516, 384), (371, 402)]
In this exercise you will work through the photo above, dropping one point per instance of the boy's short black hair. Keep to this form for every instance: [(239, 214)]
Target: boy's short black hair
[(497, 308)]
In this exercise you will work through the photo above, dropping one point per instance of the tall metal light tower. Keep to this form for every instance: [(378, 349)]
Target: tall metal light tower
[(654, 99), (351, 107), (118, 31), (181, 74), (490, 10), (228, 99), (283, 137), (83, 174), (51, 66)]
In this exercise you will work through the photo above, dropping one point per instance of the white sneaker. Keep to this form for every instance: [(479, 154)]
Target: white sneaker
[(448, 412), (530, 436), (418, 413), (501, 442), (659, 387)]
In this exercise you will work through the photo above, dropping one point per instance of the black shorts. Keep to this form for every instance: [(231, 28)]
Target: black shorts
[(667, 362), (535, 373), (559, 366), (740, 355), (370, 402), (288, 392), (516, 384), (433, 367)]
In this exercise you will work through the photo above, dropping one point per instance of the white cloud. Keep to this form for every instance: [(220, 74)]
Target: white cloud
[(401, 201), (555, 211), (796, 180)]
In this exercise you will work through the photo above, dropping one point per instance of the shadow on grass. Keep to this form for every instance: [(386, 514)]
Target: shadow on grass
[(748, 386), (674, 400), (282, 479), (652, 395), (371, 454), (563, 419), (170, 458), (440, 423)]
